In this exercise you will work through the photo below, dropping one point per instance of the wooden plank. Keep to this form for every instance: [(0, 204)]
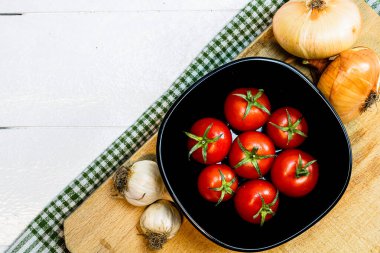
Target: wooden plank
[(103, 224)]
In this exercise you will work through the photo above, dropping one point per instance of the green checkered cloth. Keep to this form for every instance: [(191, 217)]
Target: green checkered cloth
[(45, 233)]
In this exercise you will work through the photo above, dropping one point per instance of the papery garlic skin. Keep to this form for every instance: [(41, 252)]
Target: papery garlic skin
[(161, 220), (319, 32), (141, 184)]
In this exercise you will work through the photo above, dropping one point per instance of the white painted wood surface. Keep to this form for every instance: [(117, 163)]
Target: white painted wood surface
[(119, 5), (74, 75)]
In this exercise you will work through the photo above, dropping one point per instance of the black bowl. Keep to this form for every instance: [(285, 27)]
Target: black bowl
[(327, 142)]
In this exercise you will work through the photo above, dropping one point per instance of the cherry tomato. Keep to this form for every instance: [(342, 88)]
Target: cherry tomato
[(247, 109), (256, 201), (287, 127), (252, 154), (209, 140), (217, 183), (295, 173)]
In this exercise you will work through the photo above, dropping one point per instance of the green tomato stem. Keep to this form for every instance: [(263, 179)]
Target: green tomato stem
[(252, 101), (265, 208), (251, 157), (291, 128), (224, 188), (302, 171), (202, 142)]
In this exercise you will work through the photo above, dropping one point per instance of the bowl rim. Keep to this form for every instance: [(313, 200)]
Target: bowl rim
[(178, 202)]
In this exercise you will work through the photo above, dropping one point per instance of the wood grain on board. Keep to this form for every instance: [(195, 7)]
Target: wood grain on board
[(105, 224)]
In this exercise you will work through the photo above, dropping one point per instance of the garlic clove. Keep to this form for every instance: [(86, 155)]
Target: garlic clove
[(159, 222), (140, 184)]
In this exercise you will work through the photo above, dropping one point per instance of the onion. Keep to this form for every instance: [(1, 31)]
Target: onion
[(315, 29), (351, 82)]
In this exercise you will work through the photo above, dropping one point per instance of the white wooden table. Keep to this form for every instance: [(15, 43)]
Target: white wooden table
[(74, 75)]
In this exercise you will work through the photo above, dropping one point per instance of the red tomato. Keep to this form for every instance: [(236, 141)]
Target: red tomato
[(256, 201), (217, 183), (247, 109), (287, 127), (295, 173), (252, 154), (209, 140)]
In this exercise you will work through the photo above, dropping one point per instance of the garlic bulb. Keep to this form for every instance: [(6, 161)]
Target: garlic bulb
[(160, 222), (316, 29), (141, 184)]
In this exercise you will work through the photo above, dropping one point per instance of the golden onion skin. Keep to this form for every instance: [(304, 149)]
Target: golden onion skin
[(351, 82), (320, 32)]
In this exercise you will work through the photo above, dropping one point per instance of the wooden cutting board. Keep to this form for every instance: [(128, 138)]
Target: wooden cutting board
[(105, 224)]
